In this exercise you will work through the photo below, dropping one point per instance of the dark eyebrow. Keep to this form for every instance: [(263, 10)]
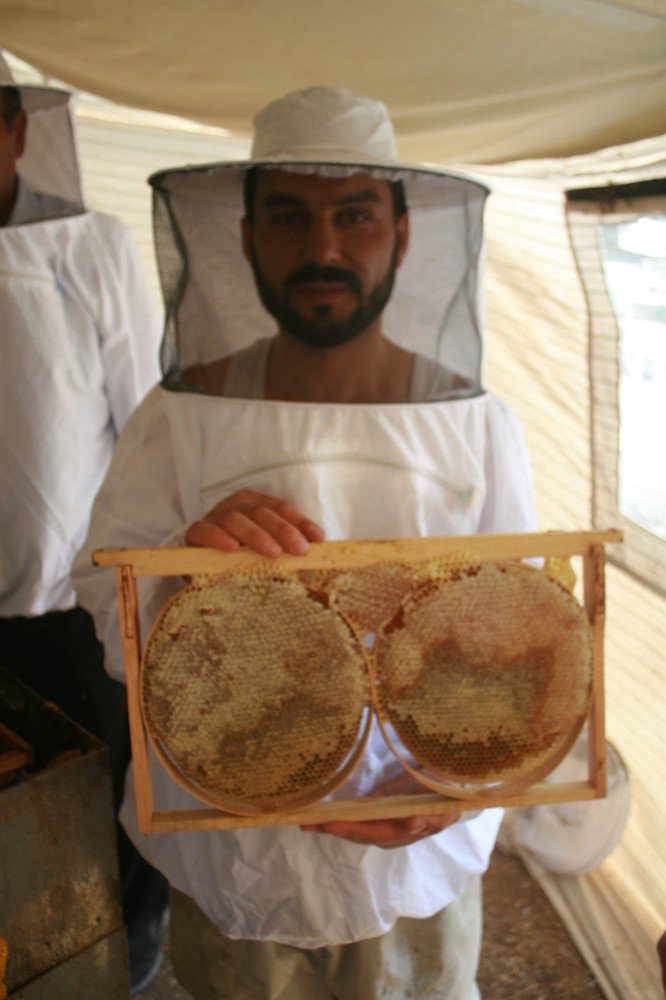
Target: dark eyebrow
[(367, 194), (277, 200)]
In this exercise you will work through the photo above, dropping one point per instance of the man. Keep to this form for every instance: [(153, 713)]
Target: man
[(361, 416), (80, 337)]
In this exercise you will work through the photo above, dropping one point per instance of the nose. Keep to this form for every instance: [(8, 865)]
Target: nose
[(323, 241)]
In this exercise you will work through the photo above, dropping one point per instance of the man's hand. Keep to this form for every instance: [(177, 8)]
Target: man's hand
[(388, 833), (264, 524)]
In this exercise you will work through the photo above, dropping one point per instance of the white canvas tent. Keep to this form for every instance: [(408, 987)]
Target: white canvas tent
[(536, 97), (485, 81)]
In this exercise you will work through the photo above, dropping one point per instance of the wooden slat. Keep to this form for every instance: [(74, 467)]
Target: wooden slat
[(390, 807), (595, 605), (354, 554), (130, 634)]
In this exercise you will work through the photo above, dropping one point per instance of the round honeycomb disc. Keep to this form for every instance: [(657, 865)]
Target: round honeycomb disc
[(485, 677), (254, 693)]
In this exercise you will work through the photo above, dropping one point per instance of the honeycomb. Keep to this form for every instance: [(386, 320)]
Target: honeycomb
[(485, 676), (368, 596), (254, 692)]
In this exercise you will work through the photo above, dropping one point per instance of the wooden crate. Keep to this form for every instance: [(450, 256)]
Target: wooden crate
[(135, 563), (59, 894)]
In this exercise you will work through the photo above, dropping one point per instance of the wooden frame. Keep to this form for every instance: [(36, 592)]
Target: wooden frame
[(134, 563)]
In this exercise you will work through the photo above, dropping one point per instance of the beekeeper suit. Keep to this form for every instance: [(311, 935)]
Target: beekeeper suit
[(80, 350), (362, 417), (80, 344)]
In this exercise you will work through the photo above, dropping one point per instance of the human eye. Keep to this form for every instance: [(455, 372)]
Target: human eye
[(288, 218), (354, 215)]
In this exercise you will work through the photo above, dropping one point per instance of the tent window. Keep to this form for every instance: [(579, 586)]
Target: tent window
[(634, 260), (619, 238)]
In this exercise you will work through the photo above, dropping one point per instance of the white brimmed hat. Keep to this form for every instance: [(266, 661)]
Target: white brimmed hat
[(212, 305), (324, 124), (570, 838), (50, 163)]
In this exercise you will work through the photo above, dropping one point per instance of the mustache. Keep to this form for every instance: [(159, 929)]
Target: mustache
[(315, 272)]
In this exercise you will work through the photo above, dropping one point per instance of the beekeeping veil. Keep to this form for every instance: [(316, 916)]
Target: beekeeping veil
[(212, 305), (50, 162)]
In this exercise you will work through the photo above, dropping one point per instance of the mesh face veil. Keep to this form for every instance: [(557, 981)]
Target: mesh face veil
[(211, 300), (50, 162)]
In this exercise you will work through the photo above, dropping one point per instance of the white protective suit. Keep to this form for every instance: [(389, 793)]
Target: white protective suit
[(452, 465), (80, 335), (438, 468)]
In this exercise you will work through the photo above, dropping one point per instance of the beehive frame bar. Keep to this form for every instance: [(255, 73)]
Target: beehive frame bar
[(134, 563)]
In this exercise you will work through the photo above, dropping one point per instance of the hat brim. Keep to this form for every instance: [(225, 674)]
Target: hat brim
[(328, 166)]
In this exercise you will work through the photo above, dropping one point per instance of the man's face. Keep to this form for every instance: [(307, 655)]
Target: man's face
[(12, 141), (324, 252)]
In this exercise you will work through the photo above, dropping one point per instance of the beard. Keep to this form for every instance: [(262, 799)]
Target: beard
[(322, 329)]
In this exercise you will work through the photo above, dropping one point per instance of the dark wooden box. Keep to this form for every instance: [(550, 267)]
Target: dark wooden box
[(59, 895)]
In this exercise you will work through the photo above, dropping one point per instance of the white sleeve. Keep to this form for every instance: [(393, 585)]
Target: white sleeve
[(509, 504), (137, 506), (128, 320)]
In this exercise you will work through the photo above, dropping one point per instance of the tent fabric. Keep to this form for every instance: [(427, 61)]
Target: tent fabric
[(644, 550), (492, 81), (537, 355)]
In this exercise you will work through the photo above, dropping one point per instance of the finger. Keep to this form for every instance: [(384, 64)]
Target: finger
[(379, 832), (401, 784), (264, 530), (313, 531), (309, 529), (416, 825), (248, 499), (387, 833), (424, 826), (281, 520), (245, 529), (205, 534), (288, 536), (208, 534)]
